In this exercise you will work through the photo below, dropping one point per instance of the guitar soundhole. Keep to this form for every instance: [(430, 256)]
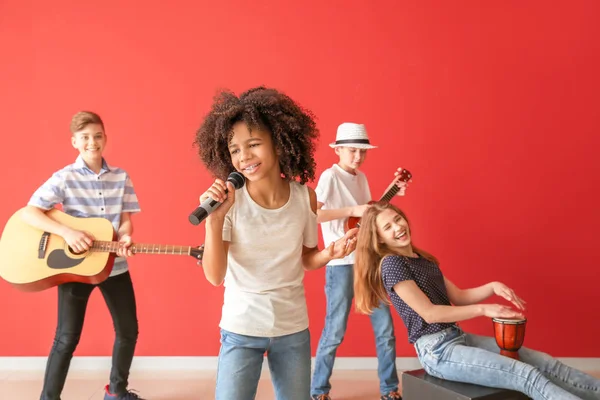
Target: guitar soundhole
[(77, 253)]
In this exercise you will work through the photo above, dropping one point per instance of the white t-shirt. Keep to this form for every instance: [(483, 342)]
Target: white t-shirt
[(337, 189), (264, 290)]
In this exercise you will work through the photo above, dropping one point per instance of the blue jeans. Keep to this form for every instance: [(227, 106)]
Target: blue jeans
[(240, 364), (457, 356), (339, 289)]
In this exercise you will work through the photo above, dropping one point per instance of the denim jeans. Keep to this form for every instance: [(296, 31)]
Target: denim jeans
[(240, 364), (72, 303), (457, 356), (339, 290)]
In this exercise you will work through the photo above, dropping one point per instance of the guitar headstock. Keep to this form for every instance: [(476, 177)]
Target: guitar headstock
[(197, 252), (405, 175)]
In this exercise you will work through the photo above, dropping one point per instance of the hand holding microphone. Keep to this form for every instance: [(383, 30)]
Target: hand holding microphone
[(219, 194)]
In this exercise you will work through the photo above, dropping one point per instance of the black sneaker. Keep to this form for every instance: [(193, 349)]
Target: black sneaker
[(129, 395)]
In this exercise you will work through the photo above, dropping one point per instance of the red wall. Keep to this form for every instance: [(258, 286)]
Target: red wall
[(493, 107)]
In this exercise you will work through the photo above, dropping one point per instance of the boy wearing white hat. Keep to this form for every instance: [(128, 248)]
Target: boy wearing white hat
[(343, 191)]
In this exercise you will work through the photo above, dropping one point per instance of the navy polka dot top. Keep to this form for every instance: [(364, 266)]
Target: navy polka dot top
[(428, 277)]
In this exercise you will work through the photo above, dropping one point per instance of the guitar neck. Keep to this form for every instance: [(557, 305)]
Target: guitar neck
[(390, 193), (142, 248)]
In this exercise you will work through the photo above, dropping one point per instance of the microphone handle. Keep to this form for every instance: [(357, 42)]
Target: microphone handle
[(202, 211)]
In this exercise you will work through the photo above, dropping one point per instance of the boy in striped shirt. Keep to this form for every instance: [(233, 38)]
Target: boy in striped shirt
[(90, 188)]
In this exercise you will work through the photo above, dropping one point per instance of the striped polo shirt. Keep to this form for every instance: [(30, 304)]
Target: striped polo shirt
[(85, 194)]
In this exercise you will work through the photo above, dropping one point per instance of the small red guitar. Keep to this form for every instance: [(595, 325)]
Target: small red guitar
[(405, 176)]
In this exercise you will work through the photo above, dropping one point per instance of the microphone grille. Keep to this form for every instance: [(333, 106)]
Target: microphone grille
[(236, 179)]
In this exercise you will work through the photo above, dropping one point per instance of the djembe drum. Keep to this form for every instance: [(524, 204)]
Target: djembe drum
[(509, 334)]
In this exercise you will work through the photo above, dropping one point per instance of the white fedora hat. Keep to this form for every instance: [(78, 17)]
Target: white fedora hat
[(352, 135)]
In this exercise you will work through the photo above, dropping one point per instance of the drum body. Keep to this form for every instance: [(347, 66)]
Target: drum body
[(509, 335)]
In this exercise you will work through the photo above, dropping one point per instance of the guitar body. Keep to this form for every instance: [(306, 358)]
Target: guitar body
[(354, 222), (32, 260)]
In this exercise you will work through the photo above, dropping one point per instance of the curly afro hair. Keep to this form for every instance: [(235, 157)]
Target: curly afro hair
[(292, 129)]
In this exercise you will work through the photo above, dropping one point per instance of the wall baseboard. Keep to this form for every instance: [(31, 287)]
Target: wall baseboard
[(590, 364)]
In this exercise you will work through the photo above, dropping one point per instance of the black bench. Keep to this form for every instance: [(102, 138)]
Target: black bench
[(419, 385)]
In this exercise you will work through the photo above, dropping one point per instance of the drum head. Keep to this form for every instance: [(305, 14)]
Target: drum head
[(509, 321)]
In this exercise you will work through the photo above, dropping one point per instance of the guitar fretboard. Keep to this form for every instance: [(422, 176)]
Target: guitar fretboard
[(136, 248), (389, 195)]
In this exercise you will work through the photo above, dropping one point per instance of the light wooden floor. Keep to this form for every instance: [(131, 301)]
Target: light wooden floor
[(174, 385)]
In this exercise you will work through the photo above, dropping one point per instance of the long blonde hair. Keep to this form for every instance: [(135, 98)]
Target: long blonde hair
[(369, 290)]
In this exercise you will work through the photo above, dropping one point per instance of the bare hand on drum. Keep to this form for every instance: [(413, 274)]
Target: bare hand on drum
[(500, 311), (500, 289)]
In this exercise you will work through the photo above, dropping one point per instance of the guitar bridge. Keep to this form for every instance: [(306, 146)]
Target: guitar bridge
[(43, 245)]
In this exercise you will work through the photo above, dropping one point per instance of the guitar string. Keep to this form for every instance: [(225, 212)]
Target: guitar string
[(142, 248)]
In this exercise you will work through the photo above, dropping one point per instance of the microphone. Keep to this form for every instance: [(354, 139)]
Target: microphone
[(209, 205)]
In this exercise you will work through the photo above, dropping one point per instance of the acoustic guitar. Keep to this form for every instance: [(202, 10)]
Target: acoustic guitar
[(405, 176), (33, 260)]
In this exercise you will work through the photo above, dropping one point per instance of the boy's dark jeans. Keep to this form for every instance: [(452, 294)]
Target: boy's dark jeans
[(72, 303)]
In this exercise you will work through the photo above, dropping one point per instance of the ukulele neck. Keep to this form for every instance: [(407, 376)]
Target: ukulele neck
[(390, 193)]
